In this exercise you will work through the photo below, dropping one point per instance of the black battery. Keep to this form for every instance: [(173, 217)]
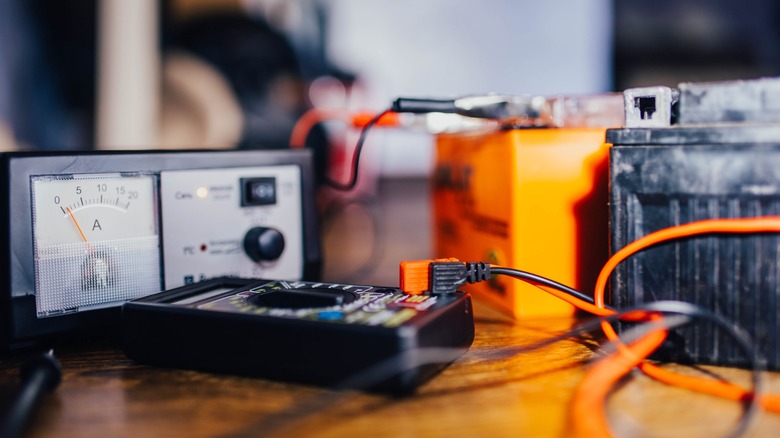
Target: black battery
[(704, 151)]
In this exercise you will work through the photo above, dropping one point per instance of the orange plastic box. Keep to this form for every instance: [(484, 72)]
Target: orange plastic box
[(529, 198)]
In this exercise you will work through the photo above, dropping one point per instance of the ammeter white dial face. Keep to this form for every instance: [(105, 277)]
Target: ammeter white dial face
[(96, 240)]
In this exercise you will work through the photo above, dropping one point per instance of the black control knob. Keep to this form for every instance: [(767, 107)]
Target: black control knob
[(263, 244)]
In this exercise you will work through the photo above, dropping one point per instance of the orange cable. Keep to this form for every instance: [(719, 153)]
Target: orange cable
[(588, 405), (592, 392), (314, 116), (309, 120), (769, 402), (574, 301)]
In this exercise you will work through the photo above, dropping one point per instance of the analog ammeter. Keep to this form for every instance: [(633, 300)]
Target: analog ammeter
[(96, 240)]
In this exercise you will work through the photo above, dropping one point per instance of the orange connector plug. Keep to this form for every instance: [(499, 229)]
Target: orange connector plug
[(414, 276)]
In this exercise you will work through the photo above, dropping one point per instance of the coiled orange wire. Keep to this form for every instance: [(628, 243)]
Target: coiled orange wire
[(597, 383)]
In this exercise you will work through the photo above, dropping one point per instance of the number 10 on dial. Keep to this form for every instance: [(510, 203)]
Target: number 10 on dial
[(96, 240)]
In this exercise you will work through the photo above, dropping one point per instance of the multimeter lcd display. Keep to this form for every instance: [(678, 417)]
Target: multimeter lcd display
[(96, 240)]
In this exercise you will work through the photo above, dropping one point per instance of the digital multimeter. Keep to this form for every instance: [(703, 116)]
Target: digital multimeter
[(341, 335)]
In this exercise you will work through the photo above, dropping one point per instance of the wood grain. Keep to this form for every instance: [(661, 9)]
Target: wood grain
[(105, 394)]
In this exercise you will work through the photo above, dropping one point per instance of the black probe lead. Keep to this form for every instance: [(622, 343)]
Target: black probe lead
[(353, 176), (39, 375), (538, 279)]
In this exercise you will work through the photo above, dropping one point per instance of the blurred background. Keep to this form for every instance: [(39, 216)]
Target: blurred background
[(113, 74)]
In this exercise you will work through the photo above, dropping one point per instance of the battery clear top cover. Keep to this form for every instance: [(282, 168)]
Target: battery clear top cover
[(96, 240)]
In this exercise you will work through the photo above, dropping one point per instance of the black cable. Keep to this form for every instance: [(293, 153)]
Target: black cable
[(417, 357), (538, 279), (743, 340), (353, 176), (39, 375), (397, 364), (446, 277), (414, 358), (415, 105)]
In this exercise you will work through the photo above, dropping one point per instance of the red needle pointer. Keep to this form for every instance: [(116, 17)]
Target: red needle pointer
[(79, 228)]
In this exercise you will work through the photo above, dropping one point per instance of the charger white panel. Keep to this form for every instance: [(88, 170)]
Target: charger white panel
[(245, 221)]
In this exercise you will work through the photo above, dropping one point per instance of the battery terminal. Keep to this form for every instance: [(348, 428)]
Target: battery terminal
[(649, 107)]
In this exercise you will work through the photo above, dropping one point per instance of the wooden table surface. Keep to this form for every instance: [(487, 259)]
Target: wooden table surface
[(105, 394)]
